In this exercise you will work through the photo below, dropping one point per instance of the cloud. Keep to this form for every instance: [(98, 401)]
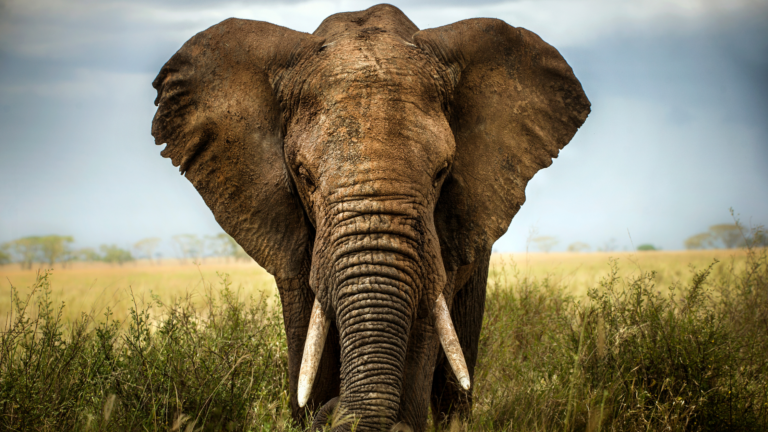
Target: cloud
[(81, 84), (566, 23), (55, 28), (138, 36)]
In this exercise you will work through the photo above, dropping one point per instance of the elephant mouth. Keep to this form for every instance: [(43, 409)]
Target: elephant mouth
[(318, 331)]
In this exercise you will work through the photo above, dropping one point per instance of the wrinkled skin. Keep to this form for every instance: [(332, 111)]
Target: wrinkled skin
[(369, 165)]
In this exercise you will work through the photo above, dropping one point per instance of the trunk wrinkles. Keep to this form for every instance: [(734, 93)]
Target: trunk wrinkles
[(376, 282)]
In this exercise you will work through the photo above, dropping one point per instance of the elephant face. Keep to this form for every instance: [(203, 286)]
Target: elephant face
[(368, 147), (361, 164)]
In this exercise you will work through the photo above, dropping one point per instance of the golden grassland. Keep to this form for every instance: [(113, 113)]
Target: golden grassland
[(92, 287), (630, 357), (578, 272)]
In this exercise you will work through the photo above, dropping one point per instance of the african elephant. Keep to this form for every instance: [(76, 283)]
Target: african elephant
[(370, 167)]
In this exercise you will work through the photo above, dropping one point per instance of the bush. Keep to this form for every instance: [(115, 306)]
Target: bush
[(628, 357), (168, 368)]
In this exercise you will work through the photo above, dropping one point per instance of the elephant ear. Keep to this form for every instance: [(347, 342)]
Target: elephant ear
[(514, 103), (222, 123)]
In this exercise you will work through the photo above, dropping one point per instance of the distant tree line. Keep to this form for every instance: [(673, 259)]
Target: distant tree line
[(728, 236), (52, 249), (546, 243), (190, 246), (720, 236), (27, 250)]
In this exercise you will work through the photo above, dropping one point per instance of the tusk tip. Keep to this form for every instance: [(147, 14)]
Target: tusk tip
[(303, 397), (464, 381), (313, 351)]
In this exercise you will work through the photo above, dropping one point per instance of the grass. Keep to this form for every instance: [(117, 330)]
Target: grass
[(631, 356), (222, 368), (640, 349), (578, 272), (92, 287)]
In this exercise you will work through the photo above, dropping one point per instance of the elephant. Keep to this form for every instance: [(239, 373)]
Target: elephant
[(369, 167)]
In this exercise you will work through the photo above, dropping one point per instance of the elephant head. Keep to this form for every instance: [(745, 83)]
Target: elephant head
[(361, 165)]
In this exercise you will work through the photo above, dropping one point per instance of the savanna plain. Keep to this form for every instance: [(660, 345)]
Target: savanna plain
[(614, 341)]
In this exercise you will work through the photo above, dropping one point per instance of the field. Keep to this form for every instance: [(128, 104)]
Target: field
[(576, 272), (596, 341), (92, 287)]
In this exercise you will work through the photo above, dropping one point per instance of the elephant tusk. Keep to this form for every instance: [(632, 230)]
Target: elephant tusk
[(450, 342), (313, 350)]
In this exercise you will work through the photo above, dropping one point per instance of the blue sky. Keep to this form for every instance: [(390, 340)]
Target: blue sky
[(678, 132)]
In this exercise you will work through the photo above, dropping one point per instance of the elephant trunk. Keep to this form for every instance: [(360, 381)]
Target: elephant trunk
[(374, 310), (377, 277), (374, 260)]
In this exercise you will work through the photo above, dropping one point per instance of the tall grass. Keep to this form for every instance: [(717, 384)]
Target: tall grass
[(632, 356), (169, 367), (629, 356)]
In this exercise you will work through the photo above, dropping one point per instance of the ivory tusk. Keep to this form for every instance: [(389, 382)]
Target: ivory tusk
[(450, 342), (313, 350)]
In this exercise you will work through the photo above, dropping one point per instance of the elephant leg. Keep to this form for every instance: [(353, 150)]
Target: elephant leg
[(297, 300), (467, 307)]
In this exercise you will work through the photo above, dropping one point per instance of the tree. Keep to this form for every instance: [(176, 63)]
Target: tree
[(725, 236), (5, 255), (113, 254), (545, 243), (220, 245), (578, 247), (646, 247), (729, 235), (146, 247), (27, 249), (188, 246), (699, 241), (86, 254), (54, 247)]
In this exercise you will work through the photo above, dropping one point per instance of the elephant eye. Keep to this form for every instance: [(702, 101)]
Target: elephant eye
[(441, 174), (307, 179)]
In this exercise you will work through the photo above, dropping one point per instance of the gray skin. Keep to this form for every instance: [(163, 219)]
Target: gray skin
[(372, 166)]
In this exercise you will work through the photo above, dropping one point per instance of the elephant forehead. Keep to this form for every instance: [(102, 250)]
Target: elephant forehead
[(359, 84), (378, 64)]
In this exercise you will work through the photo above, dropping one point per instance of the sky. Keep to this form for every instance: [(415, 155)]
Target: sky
[(677, 136)]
